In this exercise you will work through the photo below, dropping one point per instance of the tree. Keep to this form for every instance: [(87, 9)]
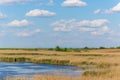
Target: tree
[(118, 47), (101, 47), (86, 47), (65, 49), (58, 48)]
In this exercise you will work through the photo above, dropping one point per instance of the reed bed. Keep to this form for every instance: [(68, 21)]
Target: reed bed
[(106, 61)]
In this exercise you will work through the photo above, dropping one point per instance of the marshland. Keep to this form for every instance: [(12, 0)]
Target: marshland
[(86, 34), (87, 64)]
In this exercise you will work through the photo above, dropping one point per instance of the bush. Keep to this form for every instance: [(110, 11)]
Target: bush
[(102, 47), (58, 48), (95, 73)]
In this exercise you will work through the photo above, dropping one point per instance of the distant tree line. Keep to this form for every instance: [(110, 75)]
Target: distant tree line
[(58, 48)]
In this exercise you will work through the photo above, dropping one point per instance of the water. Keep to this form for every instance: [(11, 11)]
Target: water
[(29, 69)]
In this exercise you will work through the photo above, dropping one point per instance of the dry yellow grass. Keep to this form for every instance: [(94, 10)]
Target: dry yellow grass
[(109, 59)]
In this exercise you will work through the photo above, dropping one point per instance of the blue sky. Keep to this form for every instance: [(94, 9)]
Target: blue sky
[(67, 23)]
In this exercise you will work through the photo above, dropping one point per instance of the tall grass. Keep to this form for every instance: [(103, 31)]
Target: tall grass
[(107, 61)]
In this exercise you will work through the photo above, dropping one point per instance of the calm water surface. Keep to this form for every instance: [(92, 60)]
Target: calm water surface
[(29, 69)]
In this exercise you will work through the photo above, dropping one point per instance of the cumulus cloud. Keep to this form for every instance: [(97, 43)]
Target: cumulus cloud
[(112, 10), (87, 29), (64, 25), (116, 8), (74, 3), (3, 16), (28, 33), (40, 13), (100, 31), (18, 23), (10, 2), (93, 23), (95, 27)]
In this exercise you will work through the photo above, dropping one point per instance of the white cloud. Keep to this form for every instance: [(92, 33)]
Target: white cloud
[(112, 10), (64, 25), (97, 11), (87, 29), (95, 27), (74, 3), (17, 23), (40, 13), (37, 31), (116, 8), (100, 31), (93, 23), (28, 33), (50, 3), (9, 2), (3, 16), (24, 34)]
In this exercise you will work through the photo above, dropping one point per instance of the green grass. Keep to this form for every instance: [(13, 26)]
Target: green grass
[(90, 55), (40, 61), (96, 73), (42, 54)]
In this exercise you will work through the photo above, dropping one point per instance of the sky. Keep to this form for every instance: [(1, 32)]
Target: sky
[(67, 23)]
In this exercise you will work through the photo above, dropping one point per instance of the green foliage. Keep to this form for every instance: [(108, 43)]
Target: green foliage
[(11, 59), (104, 65), (86, 47), (102, 47), (58, 48), (90, 55), (118, 47), (39, 61), (87, 63), (65, 49), (96, 73)]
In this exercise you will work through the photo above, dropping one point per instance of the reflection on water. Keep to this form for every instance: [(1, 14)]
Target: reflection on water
[(29, 69)]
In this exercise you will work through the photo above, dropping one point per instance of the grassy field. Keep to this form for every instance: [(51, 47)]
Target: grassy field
[(105, 61)]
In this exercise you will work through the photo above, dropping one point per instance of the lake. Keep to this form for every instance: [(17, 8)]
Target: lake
[(29, 69)]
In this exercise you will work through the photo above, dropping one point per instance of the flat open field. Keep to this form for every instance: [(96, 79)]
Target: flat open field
[(105, 61)]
